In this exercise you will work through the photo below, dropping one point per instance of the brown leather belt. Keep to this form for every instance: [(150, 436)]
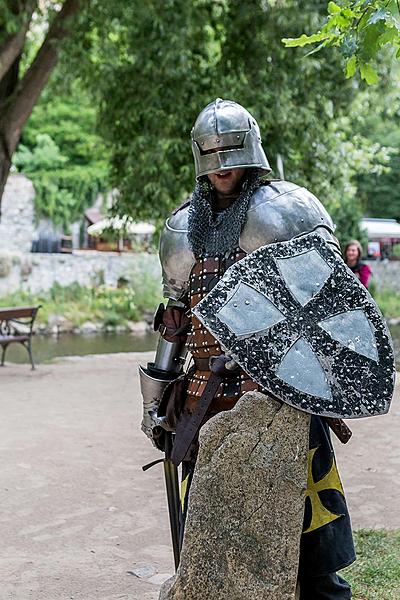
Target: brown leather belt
[(202, 364), (189, 425), (338, 426)]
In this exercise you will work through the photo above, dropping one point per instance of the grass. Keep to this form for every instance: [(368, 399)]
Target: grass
[(388, 301), (376, 573), (100, 303)]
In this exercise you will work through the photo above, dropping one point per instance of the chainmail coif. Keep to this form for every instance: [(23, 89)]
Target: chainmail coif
[(217, 233)]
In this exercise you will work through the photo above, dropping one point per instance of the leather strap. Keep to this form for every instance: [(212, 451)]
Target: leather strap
[(340, 429), (338, 426), (202, 364), (189, 425)]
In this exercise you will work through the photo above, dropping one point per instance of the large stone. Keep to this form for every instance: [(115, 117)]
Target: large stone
[(246, 506)]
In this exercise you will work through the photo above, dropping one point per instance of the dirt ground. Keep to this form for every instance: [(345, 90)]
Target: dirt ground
[(80, 520)]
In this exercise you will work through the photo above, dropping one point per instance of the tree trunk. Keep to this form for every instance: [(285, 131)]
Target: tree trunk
[(13, 45), (5, 164), (17, 103)]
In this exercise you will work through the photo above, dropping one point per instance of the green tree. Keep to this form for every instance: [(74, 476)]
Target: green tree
[(153, 66), (361, 29), (22, 76), (61, 152), (376, 114)]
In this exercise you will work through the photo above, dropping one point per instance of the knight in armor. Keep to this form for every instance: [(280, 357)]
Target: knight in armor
[(235, 209)]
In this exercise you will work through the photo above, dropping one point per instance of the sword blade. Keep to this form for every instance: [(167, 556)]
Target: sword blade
[(173, 499)]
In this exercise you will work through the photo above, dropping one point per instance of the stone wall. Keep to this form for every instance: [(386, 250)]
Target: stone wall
[(386, 274), (38, 272), (17, 226)]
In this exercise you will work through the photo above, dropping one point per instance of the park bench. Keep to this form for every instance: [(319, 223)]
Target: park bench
[(16, 326)]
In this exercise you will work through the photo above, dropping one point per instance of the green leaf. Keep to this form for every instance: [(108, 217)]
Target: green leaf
[(389, 36), (333, 8), (368, 73), (349, 46), (351, 67), (304, 39), (378, 15)]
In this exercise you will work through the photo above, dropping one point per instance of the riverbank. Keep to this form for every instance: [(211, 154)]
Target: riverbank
[(81, 309), (80, 517)]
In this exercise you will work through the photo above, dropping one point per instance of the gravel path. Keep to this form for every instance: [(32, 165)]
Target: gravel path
[(79, 519)]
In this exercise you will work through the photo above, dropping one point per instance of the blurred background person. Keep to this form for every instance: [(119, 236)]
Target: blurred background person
[(352, 258)]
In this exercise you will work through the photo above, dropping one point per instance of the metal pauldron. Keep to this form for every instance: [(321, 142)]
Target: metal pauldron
[(281, 211)]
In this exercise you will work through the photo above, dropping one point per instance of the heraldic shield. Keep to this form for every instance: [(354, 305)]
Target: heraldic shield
[(298, 321)]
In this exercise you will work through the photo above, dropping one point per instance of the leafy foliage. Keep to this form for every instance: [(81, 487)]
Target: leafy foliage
[(361, 29), (388, 301), (375, 116), (62, 154), (98, 303), (154, 66)]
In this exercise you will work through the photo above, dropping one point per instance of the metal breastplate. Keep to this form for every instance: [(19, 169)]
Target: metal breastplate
[(204, 276)]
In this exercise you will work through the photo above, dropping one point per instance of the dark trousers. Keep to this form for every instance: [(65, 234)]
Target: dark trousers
[(324, 587)]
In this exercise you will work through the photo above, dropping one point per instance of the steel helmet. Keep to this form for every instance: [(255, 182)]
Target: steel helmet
[(226, 136)]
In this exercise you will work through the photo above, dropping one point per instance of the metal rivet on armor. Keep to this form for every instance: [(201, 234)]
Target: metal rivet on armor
[(247, 302), (202, 143), (218, 141), (238, 137)]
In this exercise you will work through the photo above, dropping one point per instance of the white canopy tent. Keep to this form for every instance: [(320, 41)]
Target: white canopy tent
[(381, 229), (123, 224)]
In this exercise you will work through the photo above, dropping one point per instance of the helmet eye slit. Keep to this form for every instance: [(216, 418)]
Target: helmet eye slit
[(222, 149)]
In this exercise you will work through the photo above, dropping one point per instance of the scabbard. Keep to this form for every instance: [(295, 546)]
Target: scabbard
[(340, 429), (172, 489), (173, 497), (189, 425)]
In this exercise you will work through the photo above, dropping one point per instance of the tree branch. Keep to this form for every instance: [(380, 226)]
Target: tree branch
[(15, 43), (34, 80)]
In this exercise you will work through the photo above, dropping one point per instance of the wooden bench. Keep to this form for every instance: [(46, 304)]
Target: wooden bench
[(16, 326)]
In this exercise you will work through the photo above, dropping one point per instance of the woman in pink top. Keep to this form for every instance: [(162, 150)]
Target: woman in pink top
[(352, 258)]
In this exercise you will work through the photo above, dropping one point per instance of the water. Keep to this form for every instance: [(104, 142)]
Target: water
[(47, 347)]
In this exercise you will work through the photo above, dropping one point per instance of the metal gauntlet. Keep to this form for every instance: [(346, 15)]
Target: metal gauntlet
[(173, 324)]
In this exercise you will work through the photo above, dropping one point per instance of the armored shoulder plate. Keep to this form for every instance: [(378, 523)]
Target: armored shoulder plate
[(281, 211), (176, 257)]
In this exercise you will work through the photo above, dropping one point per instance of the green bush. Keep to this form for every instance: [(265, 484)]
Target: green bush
[(78, 304), (62, 155), (388, 301), (396, 250)]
